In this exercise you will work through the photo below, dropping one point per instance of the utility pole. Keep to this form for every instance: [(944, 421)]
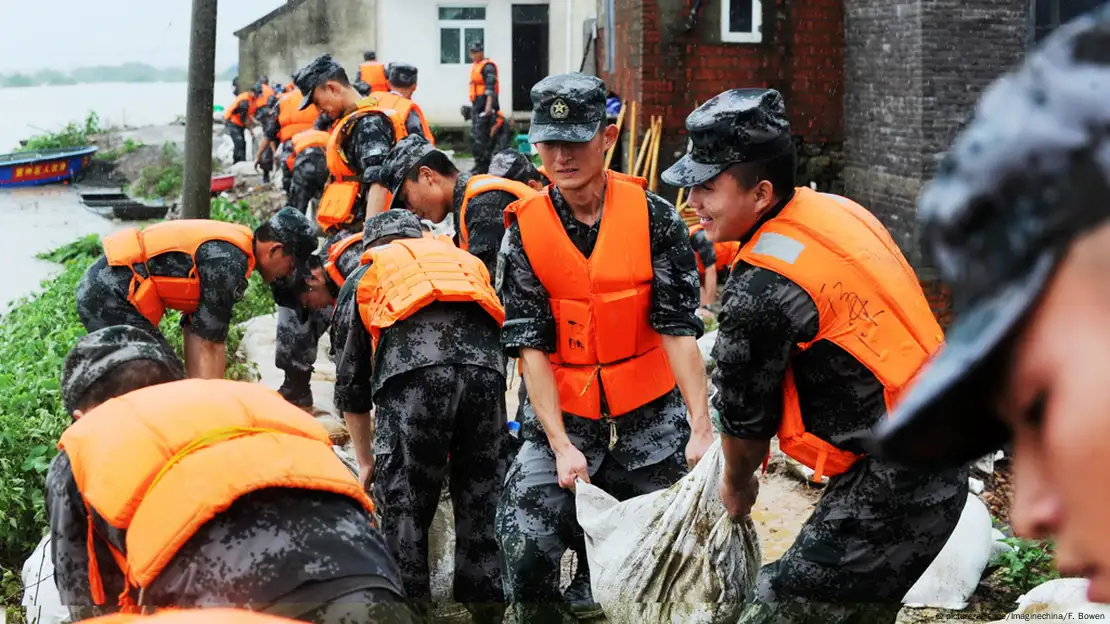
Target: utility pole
[(197, 185)]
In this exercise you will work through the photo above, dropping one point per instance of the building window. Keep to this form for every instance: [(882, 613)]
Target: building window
[(459, 27), (741, 21), (1048, 14)]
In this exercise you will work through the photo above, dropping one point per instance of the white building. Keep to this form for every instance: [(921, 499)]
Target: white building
[(528, 39)]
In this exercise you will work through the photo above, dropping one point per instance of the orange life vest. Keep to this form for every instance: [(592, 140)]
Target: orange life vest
[(373, 74), (192, 616), (408, 274), (304, 140), (331, 267), (152, 295), (252, 106), (601, 304), (292, 121), (162, 461), (725, 252), (402, 106), (337, 203), (484, 183), (868, 298), (478, 83)]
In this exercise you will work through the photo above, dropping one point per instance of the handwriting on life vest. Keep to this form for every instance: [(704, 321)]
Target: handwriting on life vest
[(860, 316)]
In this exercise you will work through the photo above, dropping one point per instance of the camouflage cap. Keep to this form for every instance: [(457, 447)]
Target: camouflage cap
[(307, 78), (408, 152), (476, 46), (1029, 174), (395, 222), (739, 125), (96, 354), (511, 164), (293, 230), (567, 107), (402, 75)]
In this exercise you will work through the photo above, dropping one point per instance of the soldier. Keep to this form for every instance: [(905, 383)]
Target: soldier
[(402, 85), (513, 165), (1017, 221), (877, 527), (238, 117), (372, 76), (432, 366), (281, 527), (615, 417), (300, 325), (484, 90), (361, 140), (469, 209), (289, 121), (713, 265), (197, 266), (308, 164)]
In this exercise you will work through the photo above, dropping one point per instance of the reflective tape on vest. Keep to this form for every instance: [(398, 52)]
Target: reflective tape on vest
[(778, 246)]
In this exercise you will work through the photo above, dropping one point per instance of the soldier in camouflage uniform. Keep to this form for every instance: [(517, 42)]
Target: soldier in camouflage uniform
[(1016, 220), (309, 555), (484, 106), (102, 293), (310, 171), (513, 165), (437, 379), (426, 181), (636, 453), (267, 116), (877, 527), (324, 83), (708, 256)]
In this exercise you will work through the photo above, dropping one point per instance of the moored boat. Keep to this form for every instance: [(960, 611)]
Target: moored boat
[(47, 166)]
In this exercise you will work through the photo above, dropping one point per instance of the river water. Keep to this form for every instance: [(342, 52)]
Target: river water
[(35, 220)]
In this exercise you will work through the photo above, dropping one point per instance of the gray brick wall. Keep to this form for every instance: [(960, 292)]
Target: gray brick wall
[(913, 70)]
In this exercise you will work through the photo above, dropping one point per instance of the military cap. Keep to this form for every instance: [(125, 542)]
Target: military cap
[(98, 353), (1028, 174), (395, 222), (369, 55), (477, 46), (466, 110), (293, 230), (408, 152), (401, 75), (511, 164), (567, 107), (737, 126), (313, 75)]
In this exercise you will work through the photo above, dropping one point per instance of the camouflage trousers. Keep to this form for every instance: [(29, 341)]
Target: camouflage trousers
[(298, 334), (367, 606), (481, 141), (239, 141), (308, 179), (872, 535), (436, 423), (102, 302), (537, 523)]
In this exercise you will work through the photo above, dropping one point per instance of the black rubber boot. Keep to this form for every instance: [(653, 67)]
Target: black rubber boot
[(296, 388), (579, 594)]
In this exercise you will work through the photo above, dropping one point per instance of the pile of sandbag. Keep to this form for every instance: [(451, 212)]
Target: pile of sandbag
[(671, 556)]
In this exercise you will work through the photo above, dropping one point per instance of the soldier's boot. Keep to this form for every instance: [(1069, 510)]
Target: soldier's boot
[(579, 594), (296, 388)]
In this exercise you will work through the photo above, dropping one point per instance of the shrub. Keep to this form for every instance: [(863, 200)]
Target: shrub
[(74, 134)]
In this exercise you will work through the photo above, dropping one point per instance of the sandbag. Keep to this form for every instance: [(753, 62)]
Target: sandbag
[(951, 579), (672, 555), (1065, 596), (41, 599)]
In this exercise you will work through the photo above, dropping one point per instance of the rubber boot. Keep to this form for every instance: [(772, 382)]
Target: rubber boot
[(296, 388), (579, 594)]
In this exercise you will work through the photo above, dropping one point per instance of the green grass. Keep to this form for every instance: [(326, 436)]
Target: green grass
[(163, 179), (74, 134), (34, 339)]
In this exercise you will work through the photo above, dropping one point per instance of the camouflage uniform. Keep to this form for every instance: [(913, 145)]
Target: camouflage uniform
[(302, 554), (271, 129), (437, 379), (309, 177), (268, 117), (238, 132), (877, 527), (511, 164), (704, 248), (480, 123), (639, 452)]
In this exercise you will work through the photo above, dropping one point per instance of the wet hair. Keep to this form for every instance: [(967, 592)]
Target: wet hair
[(780, 171), (436, 161), (339, 75), (122, 379)]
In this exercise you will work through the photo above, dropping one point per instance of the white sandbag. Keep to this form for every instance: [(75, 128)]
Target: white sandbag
[(1061, 596), (223, 149), (41, 600), (705, 345), (998, 547), (955, 573), (672, 556)]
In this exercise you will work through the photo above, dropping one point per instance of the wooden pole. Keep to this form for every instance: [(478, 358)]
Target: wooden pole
[(196, 195), (613, 150), (641, 158), (632, 140), (653, 180), (678, 202)]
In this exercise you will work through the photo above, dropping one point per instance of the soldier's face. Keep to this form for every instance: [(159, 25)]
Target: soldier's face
[(726, 209), (273, 261), (573, 166), (425, 197), (1057, 403), (317, 297), (328, 97)]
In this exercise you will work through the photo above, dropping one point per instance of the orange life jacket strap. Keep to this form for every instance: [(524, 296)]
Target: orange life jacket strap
[(819, 469), (96, 583)]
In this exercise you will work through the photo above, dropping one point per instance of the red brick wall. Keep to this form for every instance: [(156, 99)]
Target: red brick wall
[(667, 70)]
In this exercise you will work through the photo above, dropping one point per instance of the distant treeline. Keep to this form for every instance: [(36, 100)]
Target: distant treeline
[(128, 72)]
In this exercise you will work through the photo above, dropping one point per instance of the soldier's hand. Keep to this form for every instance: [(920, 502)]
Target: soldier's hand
[(739, 502), (571, 465), (366, 475), (699, 443)]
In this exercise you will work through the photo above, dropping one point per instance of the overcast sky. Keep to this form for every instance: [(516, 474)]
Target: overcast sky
[(63, 34)]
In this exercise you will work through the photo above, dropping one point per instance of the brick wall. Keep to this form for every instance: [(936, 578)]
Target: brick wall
[(667, 70)]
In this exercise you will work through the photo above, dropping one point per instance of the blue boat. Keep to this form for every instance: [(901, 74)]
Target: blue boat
[(39, 167)]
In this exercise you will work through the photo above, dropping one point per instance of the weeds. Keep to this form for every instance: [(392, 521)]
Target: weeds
[(129, 146), (74, 134), (1030, 563), (162, 180)]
